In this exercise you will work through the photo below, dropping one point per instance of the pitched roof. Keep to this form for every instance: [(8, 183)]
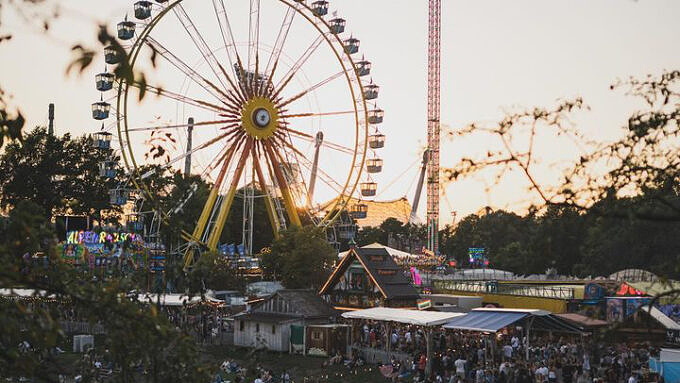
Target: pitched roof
[(305, 304), (382, 269)]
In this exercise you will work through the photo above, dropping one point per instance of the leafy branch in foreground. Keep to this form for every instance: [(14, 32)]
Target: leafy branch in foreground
[(644, 162)]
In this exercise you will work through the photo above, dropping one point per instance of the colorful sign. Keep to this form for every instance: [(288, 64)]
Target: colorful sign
[(477, 257), (424, 304), (97, 250), (92, 237)]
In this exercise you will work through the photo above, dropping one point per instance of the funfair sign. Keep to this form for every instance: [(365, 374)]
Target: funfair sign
[(94, 238)]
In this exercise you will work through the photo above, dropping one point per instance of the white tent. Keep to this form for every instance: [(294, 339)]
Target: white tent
[(173, 299), (393, 252), (419, 318)]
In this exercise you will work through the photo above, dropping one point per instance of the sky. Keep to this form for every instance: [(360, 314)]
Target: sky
[(497, 55)]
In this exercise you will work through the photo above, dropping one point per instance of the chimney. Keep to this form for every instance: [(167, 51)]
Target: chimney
[(50, 115)]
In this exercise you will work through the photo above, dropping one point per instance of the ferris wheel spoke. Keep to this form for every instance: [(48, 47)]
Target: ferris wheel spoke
[(204, 83), (311, 89), (174, 160), (202, 46), (322, 175), (311, 114), (273, 62), (324, 143), (227, 36), (181, 98), (298, 64), (178, 126), (253, 34)]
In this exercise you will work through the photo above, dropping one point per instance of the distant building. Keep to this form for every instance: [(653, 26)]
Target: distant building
[(369, 277), (379, 211), (272, 322)]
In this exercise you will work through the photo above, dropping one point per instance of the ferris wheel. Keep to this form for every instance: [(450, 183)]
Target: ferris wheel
[(264, 98)]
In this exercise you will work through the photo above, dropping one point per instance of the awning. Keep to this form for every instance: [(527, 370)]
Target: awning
[(485, 321), (662, 318), (420, 318)]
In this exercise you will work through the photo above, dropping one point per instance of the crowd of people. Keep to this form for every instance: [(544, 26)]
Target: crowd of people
[(473, 357)]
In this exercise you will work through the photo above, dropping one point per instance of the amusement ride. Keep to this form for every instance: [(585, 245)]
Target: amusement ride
[(288, 118)]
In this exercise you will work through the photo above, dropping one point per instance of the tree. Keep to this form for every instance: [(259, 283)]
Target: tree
[(28, 231), (214, 272), (59, 174), (136, 333), (300, 258)]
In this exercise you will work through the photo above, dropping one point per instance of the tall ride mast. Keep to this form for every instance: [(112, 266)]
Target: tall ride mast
[(433, 113)]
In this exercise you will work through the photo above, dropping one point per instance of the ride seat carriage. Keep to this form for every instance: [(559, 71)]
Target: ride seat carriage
[(359, 211), (363, 68), (337, 25), (107, 169), (376, 116), (126, 30), (135, 222), (369, 189), (142, 10), (111, 55), (374, 165), (100, 110), (371, 91), (101, 140), (351, 45), (320, 8), (118, 196), (104, 81), (376, 141)]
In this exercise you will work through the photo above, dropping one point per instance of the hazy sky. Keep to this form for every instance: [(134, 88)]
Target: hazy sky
[(496, 54)]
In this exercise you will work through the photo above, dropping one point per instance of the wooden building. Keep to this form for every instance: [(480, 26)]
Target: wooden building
[(369, 277), (267, 324)]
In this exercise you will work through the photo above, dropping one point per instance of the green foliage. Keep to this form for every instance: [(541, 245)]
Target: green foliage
[(405, 233), (213, 272), (300, 258), (135, 333), (59, 174), (572, 243), (28, 231)]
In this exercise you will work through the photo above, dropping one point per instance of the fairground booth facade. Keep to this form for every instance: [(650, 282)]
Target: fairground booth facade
[(368, 277)]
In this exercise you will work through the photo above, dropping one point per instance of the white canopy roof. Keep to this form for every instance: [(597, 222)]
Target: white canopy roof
[(22, 293), (420, 318), (662, 318), (393, 252), (173, 299), (535, 312)]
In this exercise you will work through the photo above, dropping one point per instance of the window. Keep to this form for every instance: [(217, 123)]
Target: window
[(273, 329), (317, 335), (257, 327), (241, 325)]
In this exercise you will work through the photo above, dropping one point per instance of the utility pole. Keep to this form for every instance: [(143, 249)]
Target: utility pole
[(187, 160), (50, 116)]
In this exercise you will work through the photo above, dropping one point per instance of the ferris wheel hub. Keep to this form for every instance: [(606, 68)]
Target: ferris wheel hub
[(260, 118)]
